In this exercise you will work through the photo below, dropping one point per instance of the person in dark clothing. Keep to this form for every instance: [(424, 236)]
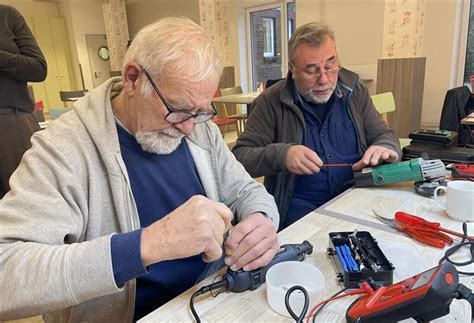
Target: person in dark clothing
[(457, 105), (21, 61), (320, 114)]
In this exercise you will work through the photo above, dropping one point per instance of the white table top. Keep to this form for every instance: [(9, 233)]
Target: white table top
[(43, 124), (72, 99), (349, 211), (242, 98)]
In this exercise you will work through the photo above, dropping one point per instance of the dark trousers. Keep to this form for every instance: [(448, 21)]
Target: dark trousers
[(16, 128)]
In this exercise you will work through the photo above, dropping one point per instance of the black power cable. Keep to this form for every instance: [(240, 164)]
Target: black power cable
[(452, 250), (298, 319), (241, 280), (205, 289), (322, 305)]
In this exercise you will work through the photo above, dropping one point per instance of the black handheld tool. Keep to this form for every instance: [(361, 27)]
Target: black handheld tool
[(240, 280), (424, 297)]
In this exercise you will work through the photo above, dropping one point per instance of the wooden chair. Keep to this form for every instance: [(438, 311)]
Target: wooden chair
[(385, 103), (38, 111), (234, 110), (222, 119)]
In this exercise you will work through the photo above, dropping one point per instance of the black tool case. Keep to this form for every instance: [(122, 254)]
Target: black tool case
[(365, 252), (434, 137), (447, 154)]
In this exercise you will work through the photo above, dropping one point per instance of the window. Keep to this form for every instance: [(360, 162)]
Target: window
[(268, 29), (291, 24), (291, 14), (469, 66)]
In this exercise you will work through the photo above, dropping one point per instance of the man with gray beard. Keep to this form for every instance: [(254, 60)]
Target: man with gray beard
[(320, 114), (123, 203)]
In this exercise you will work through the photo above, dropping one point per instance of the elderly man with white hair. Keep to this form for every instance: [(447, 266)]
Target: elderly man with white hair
[(123, 203)]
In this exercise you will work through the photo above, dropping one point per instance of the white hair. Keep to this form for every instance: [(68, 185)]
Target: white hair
[(175, 47)]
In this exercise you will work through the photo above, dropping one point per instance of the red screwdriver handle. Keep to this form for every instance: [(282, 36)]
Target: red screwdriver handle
[(415, 220), (421, 237)]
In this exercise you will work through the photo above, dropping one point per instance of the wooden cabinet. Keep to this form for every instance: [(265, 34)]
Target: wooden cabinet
[(405, 78), (50, 33)]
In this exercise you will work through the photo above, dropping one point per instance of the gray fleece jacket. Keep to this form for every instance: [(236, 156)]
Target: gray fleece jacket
[(70, 193)]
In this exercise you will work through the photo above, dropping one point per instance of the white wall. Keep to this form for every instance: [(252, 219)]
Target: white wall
[(28, 8), (438, 46), (143, 12), (237, 40), (357, 25), (359, 32), (82, 18)]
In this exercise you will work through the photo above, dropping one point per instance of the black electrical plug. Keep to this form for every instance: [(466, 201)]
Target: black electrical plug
[(372, 283)]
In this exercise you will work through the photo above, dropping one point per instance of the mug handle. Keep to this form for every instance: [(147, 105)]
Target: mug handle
[(440, 188)]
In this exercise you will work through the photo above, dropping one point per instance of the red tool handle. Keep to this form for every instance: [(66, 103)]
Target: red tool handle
[(433, 233), (416, 220), (419, 236)]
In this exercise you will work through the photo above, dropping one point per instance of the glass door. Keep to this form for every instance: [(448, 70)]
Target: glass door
[(267, 41)]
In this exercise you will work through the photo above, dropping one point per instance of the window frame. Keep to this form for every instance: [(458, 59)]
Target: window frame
[(269, 37), (283, 6)]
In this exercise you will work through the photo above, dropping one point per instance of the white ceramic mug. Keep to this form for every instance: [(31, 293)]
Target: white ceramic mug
[(459, 203)]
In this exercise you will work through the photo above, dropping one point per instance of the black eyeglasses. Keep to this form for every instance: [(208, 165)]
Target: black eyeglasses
[(177, 115)]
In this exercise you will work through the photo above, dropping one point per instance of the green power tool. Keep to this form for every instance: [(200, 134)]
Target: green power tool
[(427, 174)]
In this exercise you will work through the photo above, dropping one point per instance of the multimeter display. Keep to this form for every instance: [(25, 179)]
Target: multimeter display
[(424, 278)]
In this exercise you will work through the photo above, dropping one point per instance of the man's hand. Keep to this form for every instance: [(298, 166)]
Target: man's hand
[(252, 243), (195, 227), (375, 155), (301, 160)]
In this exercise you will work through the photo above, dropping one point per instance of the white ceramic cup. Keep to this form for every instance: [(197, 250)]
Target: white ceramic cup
[(283, 276), (459, 203)]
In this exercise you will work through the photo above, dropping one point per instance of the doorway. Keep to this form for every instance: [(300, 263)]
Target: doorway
[(99, 58), (268, 30)]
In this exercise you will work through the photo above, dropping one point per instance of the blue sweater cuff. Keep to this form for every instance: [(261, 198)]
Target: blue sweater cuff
[(126, 257)]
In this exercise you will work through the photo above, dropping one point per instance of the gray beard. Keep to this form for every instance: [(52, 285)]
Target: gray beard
[(159, 142), (313, 98)]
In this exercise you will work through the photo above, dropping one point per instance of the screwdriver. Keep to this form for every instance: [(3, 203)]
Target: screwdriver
[(336, 165), (416, 220)]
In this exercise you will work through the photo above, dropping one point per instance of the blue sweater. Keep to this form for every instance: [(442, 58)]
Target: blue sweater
[(160, 183)]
